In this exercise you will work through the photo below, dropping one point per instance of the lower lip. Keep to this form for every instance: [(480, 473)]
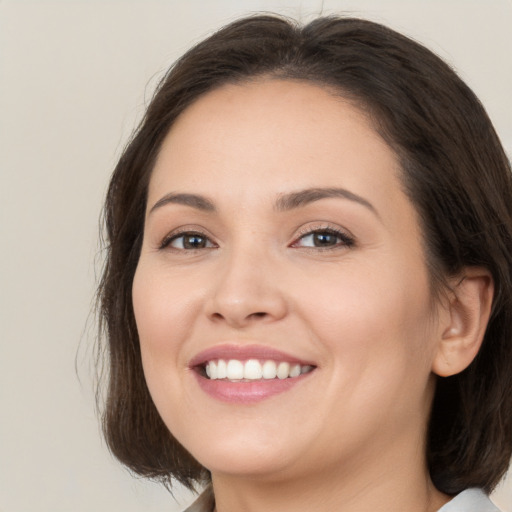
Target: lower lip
[(247, 392)]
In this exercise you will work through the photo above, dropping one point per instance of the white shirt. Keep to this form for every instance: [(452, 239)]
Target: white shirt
[(470, 500)]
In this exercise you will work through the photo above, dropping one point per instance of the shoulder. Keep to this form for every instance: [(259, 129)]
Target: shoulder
[(204, 503), (470, 500)]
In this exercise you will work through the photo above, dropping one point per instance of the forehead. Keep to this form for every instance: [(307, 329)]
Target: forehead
[(278, 135)]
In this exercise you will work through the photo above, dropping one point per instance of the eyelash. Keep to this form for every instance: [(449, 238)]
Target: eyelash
[(167, 241), (346, 240)]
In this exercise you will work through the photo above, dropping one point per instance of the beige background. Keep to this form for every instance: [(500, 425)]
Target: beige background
[(74, 78)]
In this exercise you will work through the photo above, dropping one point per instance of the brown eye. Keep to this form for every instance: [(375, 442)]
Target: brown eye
[(324, 239), (190, 241)]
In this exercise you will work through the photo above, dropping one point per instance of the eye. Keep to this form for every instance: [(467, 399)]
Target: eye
[(324, 239), (187, 241)]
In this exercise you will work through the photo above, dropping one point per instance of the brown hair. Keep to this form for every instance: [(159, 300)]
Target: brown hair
[(454, 170)]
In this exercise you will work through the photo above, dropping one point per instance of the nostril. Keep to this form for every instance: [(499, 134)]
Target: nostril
[(233, 317)]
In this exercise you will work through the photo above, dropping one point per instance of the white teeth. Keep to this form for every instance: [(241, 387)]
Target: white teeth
[(295, 370), (283, 370), (222, 372), (253, 369), (213, 370), (235, 370), (269, 370)]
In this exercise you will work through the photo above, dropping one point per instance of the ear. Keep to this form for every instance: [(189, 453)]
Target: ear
[(463, 321)]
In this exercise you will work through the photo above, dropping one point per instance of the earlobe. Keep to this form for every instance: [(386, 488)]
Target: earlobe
[(468, 311)]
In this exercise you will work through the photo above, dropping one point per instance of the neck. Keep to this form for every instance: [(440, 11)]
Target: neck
[(401, 483)]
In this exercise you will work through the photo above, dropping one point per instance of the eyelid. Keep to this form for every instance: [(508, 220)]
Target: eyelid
[(182, 231), (348, 240)]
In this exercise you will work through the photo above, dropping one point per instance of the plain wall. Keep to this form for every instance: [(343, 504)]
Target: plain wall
[(74, 79)]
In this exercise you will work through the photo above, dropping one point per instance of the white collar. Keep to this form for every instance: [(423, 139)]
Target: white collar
[(470, 500)]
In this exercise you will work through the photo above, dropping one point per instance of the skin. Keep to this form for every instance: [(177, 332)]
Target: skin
[(353, 433)]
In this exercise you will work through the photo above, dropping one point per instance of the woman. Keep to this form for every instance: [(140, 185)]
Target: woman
[(307, 294)]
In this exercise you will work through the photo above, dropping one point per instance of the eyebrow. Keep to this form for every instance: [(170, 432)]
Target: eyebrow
[(192, 200), (284, 202), (303, 197)]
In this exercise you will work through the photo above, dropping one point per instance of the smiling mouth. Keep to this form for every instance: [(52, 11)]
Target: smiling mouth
[(251, 370)]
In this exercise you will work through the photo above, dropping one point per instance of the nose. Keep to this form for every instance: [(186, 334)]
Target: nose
[(247, 290)]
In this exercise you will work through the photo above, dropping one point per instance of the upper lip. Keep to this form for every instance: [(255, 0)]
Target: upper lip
[(245, 352)]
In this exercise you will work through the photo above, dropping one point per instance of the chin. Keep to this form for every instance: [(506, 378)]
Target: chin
[(243, 456), (247, 466)]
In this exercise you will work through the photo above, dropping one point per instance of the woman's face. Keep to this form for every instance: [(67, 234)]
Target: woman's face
[(277, 232)]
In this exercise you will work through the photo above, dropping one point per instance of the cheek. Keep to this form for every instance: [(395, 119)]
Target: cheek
[(378, 331), (380, 317), (164, 312)]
